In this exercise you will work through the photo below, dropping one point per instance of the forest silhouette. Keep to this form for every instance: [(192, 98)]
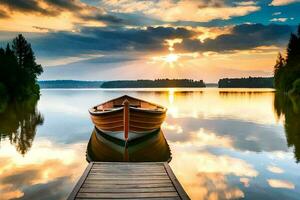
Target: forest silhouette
[(18, 71), (287, 70)]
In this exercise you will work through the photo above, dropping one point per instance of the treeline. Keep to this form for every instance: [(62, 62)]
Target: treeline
[(69, 84), (18, 71), (287, 70), (158, 83), (251, 82)]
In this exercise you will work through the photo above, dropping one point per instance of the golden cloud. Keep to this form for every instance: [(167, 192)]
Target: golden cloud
[(282, 2), (275, 183), (183, 10), (275, 169), (39, 20)]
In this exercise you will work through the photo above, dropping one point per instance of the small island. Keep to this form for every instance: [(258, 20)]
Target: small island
[(69, 84), (157, 83), (250, 82)]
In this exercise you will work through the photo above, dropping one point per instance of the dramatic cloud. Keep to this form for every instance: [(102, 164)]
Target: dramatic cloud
[(282, 2), (60, 15), (198, 11), (44, 7), (105, 18), (78, 34), (27, 6), (245, 36), (91, 39), (66, 4)]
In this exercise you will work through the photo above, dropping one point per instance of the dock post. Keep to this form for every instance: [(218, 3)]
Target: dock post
[(126, 120)]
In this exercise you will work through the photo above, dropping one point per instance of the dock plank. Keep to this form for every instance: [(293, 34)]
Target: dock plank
[(123, 180), (126, 190), (127, 195), (161, 198), (151, 185)]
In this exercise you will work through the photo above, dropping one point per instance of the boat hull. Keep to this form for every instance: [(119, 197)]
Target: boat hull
[(140, 122)]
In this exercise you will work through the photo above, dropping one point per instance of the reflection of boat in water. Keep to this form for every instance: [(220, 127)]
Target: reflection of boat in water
[(152, 148), (127, 118)]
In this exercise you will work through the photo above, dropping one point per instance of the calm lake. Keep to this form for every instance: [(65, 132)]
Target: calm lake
[(223, 144)]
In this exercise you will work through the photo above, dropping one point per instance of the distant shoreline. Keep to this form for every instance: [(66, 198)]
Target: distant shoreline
[(69, 84), (250, 82), (158, 83)]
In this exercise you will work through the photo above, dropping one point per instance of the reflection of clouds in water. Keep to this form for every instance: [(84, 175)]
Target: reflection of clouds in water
[(60, 107), (175, 127), (197, 125), (245, 181), (280, 155), (275, 183), (57, 189), (200, 138), (214, 186), (210, 103), (276, 170), (204, 174), (46, 172), (244, 135), (60, 128), (67, 104), (203, 137), (209, 163)]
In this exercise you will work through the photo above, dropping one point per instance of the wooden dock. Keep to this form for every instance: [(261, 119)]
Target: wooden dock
[(123, 180)]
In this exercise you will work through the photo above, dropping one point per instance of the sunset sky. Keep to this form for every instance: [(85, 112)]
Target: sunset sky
[(132, 39)]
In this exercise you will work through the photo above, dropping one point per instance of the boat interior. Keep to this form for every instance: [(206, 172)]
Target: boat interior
[(133, 102)]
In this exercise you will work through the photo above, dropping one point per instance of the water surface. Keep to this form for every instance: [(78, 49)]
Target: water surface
[(223, 144)]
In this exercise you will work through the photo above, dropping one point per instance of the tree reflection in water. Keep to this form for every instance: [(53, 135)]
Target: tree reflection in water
[(289, 108), (18, 122)]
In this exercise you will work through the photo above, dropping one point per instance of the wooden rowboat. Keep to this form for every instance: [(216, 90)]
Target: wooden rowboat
[(127, 118), (152, 148)]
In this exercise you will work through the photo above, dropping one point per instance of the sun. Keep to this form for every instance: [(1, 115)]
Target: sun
[(171, 58)]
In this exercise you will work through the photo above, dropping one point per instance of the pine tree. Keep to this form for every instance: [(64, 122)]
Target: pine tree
[(28, 68), (25, 56), (278, 69), (291, 49), (18, 70), (287, 75)]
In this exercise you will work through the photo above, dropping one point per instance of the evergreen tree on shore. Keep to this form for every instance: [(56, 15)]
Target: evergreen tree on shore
[(287, 71), (19, 70), (278, 69)]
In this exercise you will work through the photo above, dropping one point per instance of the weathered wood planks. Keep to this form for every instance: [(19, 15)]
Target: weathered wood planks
[(117, 180)]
